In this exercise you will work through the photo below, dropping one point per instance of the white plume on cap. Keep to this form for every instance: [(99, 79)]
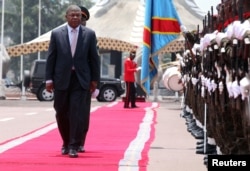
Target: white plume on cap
[(184, 29), (240, 29), (236, 26), (207, 39), (229, 31), (202, 48), (219, 37)]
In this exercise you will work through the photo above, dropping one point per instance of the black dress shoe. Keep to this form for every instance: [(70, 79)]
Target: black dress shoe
[(73, 153), (205, 161), (198, 134), (208, 146), (81, 149), (134, 106), (185, 114), (201, 146), (200, 142), (209, 150), (64, 150), (191, 127), (191, 122), (206, 152), (126, 107)]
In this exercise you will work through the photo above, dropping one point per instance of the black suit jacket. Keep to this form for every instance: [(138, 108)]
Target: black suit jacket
[(60, 61)]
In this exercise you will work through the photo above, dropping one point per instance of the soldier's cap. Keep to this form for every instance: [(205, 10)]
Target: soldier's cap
[(85, 12), (132, 52)]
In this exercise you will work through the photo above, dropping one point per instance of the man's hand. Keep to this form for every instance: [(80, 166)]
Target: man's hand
[(138, 68), (93, 86), (50, 87)]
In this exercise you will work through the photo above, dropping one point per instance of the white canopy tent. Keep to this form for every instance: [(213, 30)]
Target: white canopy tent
[(118, 25)]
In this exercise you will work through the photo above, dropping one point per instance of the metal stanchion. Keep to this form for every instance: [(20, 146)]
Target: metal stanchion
[(155, 91), (205, 128)]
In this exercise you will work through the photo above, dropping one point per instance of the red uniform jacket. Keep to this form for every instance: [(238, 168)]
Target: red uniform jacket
[(129, 70)]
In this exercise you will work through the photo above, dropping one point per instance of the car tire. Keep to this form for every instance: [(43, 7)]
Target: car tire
[(44, 95), (99, 99), (107, 94)]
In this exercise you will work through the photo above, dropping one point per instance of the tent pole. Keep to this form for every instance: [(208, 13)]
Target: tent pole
[(2, 92), (39, 26), (23, 97)]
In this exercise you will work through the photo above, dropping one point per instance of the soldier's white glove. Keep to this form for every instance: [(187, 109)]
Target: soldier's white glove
[(245, 87), (235, 89)]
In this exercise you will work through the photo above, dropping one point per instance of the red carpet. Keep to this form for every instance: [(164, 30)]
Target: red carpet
[(118, 139)]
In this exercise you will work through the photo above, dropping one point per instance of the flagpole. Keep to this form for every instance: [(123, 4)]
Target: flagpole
[(39, 25), (23, 97), (154, 38), (2, 94)]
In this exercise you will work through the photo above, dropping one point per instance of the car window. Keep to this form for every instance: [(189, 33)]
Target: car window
[(38, 70), (40, 67)]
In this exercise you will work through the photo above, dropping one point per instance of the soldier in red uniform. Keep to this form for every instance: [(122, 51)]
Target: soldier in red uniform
[(130, 68)]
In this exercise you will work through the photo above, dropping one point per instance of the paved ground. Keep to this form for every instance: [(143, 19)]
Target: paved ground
[(174, 148)]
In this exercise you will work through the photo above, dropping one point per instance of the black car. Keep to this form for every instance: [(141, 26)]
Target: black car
[(34, 81)]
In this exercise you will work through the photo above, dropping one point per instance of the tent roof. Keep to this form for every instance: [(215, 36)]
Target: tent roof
[(118, 25)]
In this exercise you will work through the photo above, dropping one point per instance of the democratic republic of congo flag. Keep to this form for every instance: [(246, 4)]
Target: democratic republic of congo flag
[(162, 25)]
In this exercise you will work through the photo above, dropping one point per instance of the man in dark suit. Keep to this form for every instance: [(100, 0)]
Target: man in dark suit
[(81, 149), (72, 72)]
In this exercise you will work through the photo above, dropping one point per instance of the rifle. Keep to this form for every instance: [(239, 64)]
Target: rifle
[(209, 22), (189, 40), (212, 19), (204, 26), (223, 16), (240, 11), (234, 9)]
